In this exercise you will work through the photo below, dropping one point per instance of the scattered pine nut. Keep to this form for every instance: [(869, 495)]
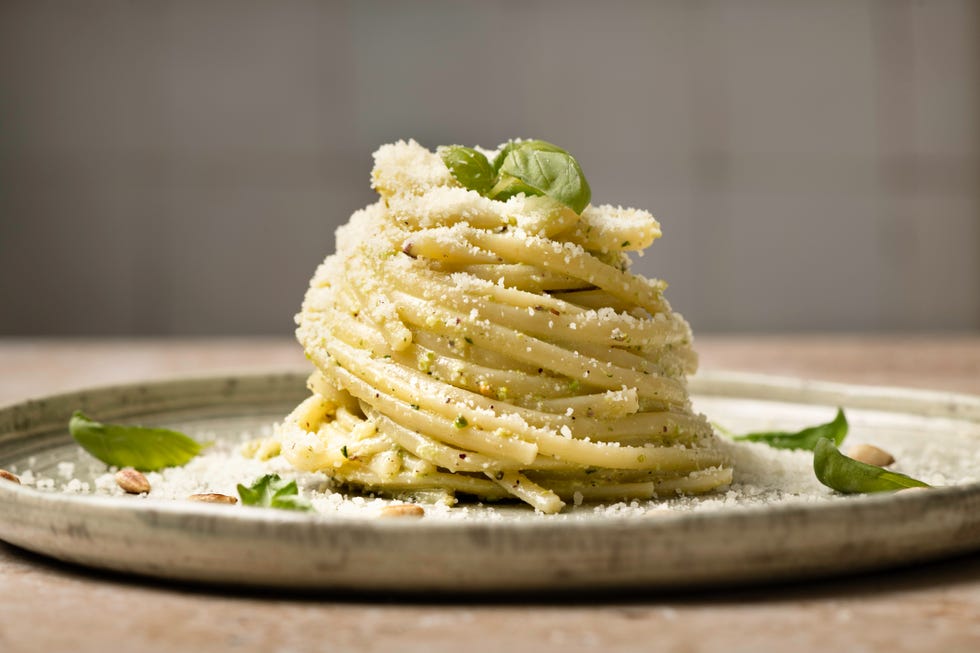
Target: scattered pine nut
[(213, 497), (403, 510), (9, 476), (913, 489), (132, 481), (871, 455)]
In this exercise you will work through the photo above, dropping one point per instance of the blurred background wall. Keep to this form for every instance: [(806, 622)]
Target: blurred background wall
[(180, 167)]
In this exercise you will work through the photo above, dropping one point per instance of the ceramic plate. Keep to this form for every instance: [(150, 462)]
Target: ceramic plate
[(505, 548)]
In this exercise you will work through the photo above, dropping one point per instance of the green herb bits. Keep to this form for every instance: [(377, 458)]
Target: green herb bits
[(271, 491)]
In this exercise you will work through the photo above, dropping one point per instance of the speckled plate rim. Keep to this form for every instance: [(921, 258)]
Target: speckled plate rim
[(212, 544)]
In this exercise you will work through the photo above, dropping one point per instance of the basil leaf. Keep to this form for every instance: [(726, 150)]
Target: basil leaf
[(550, 171), (145, 449), (469, 167), (502, 154), (835, 430), (838, 472), (508, 186), (270, 491)]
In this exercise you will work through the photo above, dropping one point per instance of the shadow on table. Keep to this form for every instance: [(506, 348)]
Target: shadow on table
[(945, 573)]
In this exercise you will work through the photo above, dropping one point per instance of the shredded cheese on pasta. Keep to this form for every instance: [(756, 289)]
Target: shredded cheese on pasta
[(495, 349)]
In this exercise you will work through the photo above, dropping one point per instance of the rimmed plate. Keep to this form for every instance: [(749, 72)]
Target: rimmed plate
[(516, 548)]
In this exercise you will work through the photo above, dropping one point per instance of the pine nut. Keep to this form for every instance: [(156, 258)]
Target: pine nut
[(213, 497), (870, 454), (9, 476), (403, 510), (132, 481)]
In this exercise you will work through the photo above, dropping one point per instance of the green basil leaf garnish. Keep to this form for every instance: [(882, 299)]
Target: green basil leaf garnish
[(469, 167), (502, 154), (508, 186), (271, 491), (145, 449), (534, 168), (549, 170), (835, 430), (844, 474)]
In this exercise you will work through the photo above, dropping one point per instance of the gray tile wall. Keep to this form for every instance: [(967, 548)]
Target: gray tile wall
[(179, 167)]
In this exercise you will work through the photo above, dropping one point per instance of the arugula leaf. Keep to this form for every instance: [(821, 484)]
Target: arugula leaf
[(844, 474), (270, 491), (835, 430), (145, 449), (548, 170), (469, 167)]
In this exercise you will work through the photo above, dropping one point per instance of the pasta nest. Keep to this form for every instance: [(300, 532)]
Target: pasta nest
[(495, 349)]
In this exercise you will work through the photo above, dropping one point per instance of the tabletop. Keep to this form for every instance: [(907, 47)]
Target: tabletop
[(49, 606)]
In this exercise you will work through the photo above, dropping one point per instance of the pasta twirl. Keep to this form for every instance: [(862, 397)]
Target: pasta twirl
[(495, 349)]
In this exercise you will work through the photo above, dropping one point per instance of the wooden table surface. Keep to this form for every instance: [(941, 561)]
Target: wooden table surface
[(48, 606)]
